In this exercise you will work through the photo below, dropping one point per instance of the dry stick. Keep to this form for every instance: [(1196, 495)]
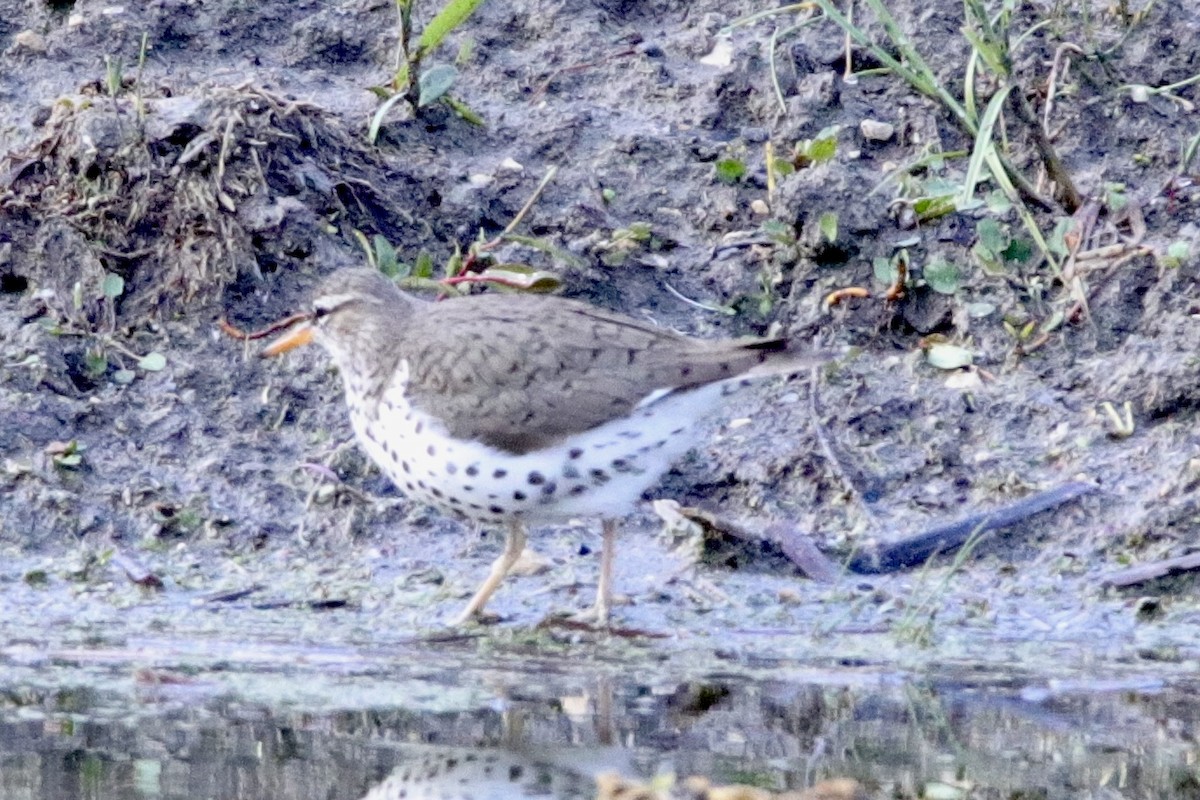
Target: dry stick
[(1067, 193), (1052, 83), (1144, 573), (917, 550), (496, 240), (848, 75), (1085, 218)]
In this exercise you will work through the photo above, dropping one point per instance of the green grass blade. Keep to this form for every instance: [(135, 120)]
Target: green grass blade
[(380, 114), (983, 145), (969, 87), (450, 17)]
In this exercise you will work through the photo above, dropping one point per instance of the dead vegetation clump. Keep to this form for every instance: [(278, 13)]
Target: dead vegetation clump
[(178, 195)]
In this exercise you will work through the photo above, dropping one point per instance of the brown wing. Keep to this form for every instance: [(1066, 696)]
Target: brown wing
[(522, 371)]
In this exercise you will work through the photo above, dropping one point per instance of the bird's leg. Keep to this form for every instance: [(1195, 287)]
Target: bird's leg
[(598, 614), (514, 545), (604, 584)]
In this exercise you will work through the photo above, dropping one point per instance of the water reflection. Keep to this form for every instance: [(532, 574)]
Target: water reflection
[(551, 737)]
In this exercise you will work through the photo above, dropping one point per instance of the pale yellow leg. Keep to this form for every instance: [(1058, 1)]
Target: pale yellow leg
[(514, 545), (604, 584)]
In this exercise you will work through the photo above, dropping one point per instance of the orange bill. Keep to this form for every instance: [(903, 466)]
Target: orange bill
[(300, 335)]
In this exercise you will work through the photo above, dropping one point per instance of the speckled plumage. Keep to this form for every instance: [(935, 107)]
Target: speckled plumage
[(517, 409)]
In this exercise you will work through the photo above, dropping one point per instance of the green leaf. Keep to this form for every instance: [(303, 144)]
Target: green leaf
[(114, 78), (1178, 252), (983, 143), (463, 110), (782, 167), (935, 186), (997, 202), (992, 262), (819, 149), (96, 363), (380, 114), (1019, 250), (991, 236), (435, 82), (930, 208), (385, 256), (885, 271), (523, 277), (424, 266), (450, 17), (730, 170), (779, 231), (465, 51), (1058, 237), (829, 226), (153, 361), (949, 356), (36, 577), (124, 377), (1115, 197), (942, 276), (113, 285)]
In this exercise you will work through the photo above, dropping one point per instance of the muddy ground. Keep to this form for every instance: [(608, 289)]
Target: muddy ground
[(227, 173)]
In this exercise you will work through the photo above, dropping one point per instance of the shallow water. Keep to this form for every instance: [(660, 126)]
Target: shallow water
[(444, 730)]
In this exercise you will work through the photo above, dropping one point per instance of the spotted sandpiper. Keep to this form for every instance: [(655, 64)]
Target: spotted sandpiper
[(521, 409)]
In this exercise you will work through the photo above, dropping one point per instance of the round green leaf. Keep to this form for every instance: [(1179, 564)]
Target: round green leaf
[(153, 362), (949, 356), (435, 82), (943, 277), (730, 170), (829, 226), (113, 285)]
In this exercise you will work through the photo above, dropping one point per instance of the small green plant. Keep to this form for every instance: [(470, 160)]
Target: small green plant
[(730, 170), (993, 42), (624, 242), (36, 578), (943, 276), (476, 265), (829, 225), (103, 348), (1176, 255), (995, 246), (65, 455), (434, 84), (807, 153), (779, 232)]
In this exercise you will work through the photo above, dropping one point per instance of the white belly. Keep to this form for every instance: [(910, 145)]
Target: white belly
[(602, 472)]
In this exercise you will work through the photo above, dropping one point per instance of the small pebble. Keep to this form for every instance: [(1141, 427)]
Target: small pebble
[(31, 41), (754, 134), (875, 131)]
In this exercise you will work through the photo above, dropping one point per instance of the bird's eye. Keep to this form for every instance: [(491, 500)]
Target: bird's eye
[(319, 311)]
